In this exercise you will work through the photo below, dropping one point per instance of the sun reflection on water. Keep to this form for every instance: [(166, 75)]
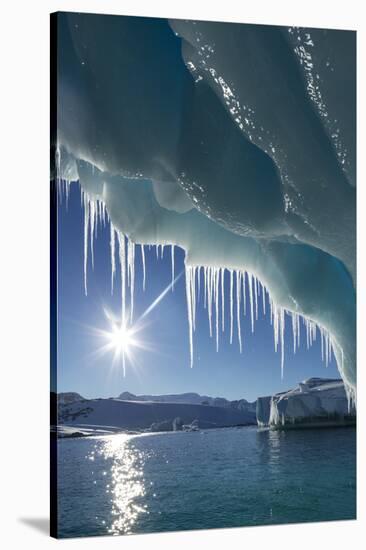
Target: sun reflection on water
[(127, 487)]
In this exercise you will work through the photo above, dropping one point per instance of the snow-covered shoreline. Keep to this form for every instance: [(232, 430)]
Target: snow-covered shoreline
[(79, 418)]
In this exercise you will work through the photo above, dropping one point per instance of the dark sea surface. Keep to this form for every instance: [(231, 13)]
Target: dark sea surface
[(210, 479)]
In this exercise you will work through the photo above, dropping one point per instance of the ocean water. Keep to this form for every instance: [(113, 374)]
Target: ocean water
[(212, 479)]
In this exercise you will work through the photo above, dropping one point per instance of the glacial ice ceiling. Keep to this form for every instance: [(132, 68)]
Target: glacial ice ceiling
[(234, 142)]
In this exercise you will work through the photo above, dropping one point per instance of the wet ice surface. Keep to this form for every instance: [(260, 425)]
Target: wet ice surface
[(220, 478)]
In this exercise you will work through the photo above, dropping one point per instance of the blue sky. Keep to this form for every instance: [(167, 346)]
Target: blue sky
[(166, 369)]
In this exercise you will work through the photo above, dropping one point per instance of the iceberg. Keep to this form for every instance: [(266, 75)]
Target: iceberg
[(314, 402), (234, 142)]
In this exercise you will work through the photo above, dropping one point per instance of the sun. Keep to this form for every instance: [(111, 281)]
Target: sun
[(120, 339), (123, 338)]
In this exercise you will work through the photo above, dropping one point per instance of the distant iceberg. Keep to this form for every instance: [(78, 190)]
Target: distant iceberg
[(314, 402)]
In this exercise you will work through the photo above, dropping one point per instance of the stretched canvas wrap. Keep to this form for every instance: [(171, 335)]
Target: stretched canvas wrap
[(203, 302)]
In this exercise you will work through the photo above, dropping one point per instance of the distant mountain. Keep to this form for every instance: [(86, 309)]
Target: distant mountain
[(116, 414), (65, 398), (192, 399)]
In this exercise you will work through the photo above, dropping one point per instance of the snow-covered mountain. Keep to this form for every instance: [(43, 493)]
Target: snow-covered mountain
[(115, 414), (191, 398), (314, 402), (65, 398)]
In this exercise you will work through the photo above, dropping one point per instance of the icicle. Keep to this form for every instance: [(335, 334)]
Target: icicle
[(238, 295), (131, 274), (205, 286), (222, 299), (263, 299), (92, 226), (231, 305), (113, 257), (322, 343), (172, 258), (209, 297), (122, 262), (330, 349), (208, 300), (101, 214), (250, 284), (256, 296), (216, 282), (86, 232), (310, 334), (199, 281), (282, 329), (193, 295), (189, 311), (244, 294), (143, 267), (294, 327), (67, 193), (128, 256), (275, 324), (307, 333), (98, 216)]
